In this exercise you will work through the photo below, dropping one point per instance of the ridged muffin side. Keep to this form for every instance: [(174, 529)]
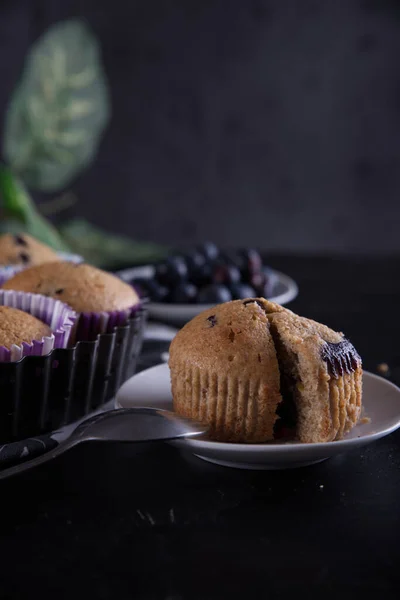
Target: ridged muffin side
[(224, 373)]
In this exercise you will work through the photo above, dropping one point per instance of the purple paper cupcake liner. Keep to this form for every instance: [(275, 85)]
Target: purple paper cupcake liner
[(57, 315), (41, 394), (90, 325)]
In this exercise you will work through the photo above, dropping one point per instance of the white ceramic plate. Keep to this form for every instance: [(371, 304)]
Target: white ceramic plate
[(381, 403), (285, 290)]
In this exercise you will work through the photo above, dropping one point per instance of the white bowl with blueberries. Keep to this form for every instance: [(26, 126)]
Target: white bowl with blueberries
[(183, 285)]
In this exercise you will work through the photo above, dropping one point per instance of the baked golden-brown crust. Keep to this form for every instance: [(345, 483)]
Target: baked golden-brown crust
[(231, 364), (81, 286), (224, 372), (22, 249), (17, 326)]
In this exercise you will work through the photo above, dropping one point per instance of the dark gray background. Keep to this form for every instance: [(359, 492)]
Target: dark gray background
[(273, 123)]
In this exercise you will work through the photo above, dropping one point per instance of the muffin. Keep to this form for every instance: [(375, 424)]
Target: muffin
[(81, 286), (253, 371), (22, 249), (17, 326), (32, 325), (70, 383), (102, 299), (34, 334)]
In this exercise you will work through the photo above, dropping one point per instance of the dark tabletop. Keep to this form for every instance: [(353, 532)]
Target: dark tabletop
[(122, 522)]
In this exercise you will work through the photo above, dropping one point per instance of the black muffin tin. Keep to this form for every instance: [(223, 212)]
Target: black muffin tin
[(41, 394)]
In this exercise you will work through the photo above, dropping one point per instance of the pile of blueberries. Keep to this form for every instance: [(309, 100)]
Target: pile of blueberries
[(207, 275)]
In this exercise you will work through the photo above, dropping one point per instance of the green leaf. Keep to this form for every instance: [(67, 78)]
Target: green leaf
[(19, 213), (106, 250), (11, 226), (59, 110)]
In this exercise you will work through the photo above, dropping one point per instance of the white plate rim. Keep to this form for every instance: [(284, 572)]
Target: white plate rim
[(277, 448)]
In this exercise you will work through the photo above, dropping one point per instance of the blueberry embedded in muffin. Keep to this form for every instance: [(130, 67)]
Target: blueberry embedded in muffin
[(321, 375)]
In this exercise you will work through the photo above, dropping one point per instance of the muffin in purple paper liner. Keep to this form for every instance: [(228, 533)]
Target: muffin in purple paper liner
[(33, 328), (24, 315), (102, 300), (104, 346)]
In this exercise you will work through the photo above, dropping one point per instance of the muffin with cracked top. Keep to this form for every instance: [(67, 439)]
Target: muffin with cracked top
[(253, 371)]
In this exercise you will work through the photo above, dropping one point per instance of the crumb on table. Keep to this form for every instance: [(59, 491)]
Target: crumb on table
[(383, 368)]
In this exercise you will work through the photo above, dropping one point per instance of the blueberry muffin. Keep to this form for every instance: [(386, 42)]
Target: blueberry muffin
[(22, 249), (253, 371), (225, 372), (17, 327), (83, 287)]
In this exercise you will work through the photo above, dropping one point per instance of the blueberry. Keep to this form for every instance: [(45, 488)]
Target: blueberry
[(141, 286), (225, 273), (241, 290), (184, 293), (24, 258), (172, 271), (20, 241), (214, 293), (233, 258), (158, 292), (252, 263), (209, 250), (269, 283), (257, 281), (195, 262), (151, 289), (202, 276)]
